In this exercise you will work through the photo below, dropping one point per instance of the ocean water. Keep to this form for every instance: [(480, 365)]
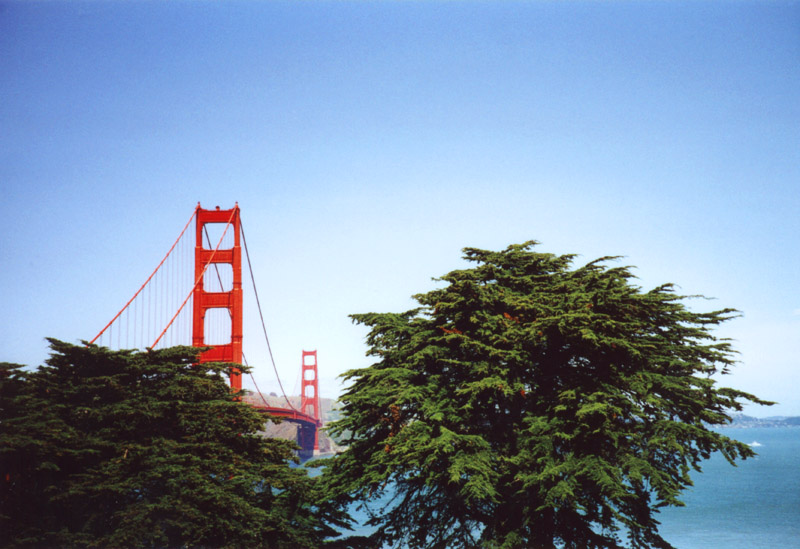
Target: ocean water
[(751, 506)]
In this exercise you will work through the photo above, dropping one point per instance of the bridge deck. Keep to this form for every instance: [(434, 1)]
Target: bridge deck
[(289, 414)]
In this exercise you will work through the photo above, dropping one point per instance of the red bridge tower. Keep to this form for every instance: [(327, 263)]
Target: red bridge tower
[(230, 300)]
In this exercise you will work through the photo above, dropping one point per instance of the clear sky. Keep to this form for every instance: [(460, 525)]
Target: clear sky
[(367, 143)]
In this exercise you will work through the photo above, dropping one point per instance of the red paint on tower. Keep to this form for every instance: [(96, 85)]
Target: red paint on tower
[(230, 300)]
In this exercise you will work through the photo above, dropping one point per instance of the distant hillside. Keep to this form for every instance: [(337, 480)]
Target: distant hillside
[(742, 421)]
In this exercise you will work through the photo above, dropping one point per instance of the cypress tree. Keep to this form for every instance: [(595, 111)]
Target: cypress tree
[(530, 403), (106, 448)]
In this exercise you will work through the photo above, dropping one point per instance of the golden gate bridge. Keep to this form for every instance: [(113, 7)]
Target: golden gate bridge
[(195, 295)]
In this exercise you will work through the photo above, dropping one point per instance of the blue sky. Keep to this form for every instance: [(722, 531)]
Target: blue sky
[(367, 143)]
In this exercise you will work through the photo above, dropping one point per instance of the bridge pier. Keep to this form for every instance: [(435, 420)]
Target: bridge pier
[(307, 440)]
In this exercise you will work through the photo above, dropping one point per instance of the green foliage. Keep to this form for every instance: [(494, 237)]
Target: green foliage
[(532, 404), (106, 448)]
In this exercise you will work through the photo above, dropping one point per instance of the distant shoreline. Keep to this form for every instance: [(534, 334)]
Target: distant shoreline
[(741, 421)]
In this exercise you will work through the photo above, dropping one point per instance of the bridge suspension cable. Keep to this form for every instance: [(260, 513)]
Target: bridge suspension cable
[(139, 310), (263, 325), (196, 282)]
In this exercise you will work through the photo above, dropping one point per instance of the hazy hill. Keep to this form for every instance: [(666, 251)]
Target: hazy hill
[(742, 421)]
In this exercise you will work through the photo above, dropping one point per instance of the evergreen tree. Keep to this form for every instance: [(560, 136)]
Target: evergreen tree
[(528, 403), (106, 448)]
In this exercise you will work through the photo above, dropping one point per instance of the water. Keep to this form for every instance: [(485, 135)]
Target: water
[(752, 506)]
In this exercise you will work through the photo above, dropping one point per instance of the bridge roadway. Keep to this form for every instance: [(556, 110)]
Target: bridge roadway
[(289, 414)]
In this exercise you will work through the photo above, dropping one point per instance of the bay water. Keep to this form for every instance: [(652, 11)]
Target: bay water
[(751, 506), (754, 505)]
